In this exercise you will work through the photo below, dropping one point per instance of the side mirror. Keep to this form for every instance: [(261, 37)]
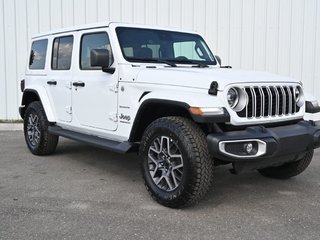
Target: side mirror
[(218, 59), (100, 58)]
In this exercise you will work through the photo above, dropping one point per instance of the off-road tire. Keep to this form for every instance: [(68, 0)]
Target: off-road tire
[(47, 142), (288, 170), (197, 163)]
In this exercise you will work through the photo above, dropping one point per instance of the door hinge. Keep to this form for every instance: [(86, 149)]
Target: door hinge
[(114, 88), (69, 109), (113, 116), (69, 85)]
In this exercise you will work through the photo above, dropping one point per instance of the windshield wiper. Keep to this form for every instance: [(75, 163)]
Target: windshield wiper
[(148, 60), (170, 62), (188, 61), (201, 65), (166, 62)]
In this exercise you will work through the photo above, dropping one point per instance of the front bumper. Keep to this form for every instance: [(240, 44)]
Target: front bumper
[(277, 145)]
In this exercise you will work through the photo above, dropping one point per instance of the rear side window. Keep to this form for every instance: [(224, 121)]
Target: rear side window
[(93, 41), (38, 53), (62, 53)]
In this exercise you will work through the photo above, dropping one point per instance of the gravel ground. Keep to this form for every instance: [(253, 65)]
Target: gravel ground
[(82, 192)]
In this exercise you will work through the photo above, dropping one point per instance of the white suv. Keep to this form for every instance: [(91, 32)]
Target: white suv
[(163, 93)]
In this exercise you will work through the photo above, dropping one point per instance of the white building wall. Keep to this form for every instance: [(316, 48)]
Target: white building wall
[(269, 35)]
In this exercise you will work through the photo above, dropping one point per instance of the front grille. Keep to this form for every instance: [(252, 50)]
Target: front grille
[(268, 101)]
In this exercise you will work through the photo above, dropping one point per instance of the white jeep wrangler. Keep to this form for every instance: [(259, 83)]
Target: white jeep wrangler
[(163, 93)]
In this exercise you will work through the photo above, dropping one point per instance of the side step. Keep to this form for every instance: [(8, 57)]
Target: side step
[(119, 147)]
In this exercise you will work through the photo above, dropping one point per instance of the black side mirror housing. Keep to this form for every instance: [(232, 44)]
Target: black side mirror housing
[(100, 58), (218, 59)]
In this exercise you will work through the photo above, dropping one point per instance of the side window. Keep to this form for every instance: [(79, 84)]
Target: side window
[(93, 41), (38, 53), (62, 53)]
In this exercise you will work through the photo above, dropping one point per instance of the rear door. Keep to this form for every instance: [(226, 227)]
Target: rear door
[(59, 80), (94, 94)]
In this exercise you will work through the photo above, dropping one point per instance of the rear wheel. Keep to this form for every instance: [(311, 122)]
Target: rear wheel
[(38, 139), (288, 170), (176, 165)]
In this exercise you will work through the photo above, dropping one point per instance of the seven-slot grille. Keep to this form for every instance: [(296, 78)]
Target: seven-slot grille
[(268, 101)]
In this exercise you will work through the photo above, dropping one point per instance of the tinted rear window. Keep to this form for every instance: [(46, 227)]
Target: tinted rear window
[(62, 53), (38, 54)]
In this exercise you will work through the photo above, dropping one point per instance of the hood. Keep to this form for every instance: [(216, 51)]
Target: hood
[(202, 77)]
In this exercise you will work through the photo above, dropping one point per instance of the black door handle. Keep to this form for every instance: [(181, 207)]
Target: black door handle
[(78, 84), (52, 82)]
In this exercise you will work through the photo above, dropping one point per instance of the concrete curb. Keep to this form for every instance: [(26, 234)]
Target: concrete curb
[(11, 127)]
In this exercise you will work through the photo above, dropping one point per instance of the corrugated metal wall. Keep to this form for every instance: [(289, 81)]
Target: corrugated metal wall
[(269, 35)]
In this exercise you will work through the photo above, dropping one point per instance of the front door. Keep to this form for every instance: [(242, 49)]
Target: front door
[(94, 92)]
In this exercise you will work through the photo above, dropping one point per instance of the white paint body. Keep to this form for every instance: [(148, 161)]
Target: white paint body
[(282, 37), (95, 108)]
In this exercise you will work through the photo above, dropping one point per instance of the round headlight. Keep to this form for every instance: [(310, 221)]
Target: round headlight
[(233, 97), (299, 96)]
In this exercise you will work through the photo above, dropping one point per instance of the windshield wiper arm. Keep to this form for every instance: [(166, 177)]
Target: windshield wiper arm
[(196, 64), (153, 60), (171, 64), (201, 65)]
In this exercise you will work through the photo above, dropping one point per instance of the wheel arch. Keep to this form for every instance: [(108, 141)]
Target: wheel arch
[(30, 95), (152, 109)]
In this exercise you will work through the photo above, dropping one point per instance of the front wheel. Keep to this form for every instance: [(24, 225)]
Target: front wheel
[(288, 170), (38, 139), (176, 165)]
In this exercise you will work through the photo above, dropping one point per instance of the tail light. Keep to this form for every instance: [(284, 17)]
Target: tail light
[(22, 85)]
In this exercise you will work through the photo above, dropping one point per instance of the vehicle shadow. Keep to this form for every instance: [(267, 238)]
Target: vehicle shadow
[(125, 165), (227, 189)]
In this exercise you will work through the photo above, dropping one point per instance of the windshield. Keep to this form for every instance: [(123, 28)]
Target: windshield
[(150, 45)]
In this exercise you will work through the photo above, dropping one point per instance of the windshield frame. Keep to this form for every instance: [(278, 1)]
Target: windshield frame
[(213, 62)]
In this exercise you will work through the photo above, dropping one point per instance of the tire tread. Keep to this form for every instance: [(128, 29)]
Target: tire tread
[(48, 142), (288, 170), (201, 160)]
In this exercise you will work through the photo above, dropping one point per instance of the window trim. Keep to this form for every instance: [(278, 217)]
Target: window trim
[(80, 50), (52, 52)]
